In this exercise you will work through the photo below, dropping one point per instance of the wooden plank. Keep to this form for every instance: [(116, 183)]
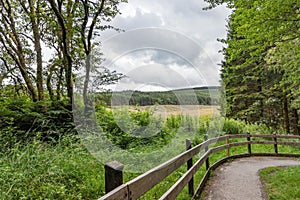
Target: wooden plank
[(277, 136), (189, 166), (228, 149), (144, 182), (262, 135), (262, 142), (219, 148), (288, 136), (233, 144), (182, 182), (113, 175), (249, 143), (214, 140), (206, 149), (120, 193), (238, 136), (202, 185), (289, 143), (275, 144)]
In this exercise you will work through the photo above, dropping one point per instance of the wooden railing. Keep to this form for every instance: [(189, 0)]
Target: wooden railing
[(137, 187)]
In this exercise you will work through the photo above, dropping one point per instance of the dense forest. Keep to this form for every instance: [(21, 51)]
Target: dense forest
[(192, 96), (260, 71)]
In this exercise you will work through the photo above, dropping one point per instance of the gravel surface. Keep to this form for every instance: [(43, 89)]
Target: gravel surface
[(239, 180)]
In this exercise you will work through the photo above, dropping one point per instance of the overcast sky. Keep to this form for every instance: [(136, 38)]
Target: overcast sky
[(167, 44)]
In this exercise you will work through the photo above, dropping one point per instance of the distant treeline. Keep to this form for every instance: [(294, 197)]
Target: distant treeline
[(195, 96)]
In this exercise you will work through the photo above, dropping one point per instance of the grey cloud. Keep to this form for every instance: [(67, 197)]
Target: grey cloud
[(170, 42), (158, 75), (152, 38)]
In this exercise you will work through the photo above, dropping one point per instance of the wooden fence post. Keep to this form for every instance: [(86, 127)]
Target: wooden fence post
[(206, 149), (189, 165), (113, 175), (275, 143), (228, 148), (249, 145)]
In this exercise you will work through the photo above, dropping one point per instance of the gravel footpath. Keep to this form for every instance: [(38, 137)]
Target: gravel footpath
[(239, 179)]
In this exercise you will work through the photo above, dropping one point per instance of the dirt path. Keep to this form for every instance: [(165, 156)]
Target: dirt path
[(240, 180)]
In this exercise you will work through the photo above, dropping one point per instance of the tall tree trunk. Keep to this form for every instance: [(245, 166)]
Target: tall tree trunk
[(59, 83), (87, 43), (38, 49), (48, 83), (286, 114), (9, 37), (296, 122), (87, 78), (66, 53), (27, 79)]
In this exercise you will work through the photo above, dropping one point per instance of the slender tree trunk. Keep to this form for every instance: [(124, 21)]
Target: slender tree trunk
[(59, 83), (27, 80), (87, 43), (87, 78), (296, 125), (66, 53), (38, 49), (286, 114), (49, 86)]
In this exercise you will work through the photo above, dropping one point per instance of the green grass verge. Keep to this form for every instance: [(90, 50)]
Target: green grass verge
[(281, 182)]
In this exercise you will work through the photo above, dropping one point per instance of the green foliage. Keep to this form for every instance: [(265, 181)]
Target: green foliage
[(281, 182), (233, 126), (132, 129), (41, 171), (22, 120), (260, 72)]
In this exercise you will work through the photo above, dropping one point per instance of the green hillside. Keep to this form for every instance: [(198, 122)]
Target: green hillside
[(186, 96)]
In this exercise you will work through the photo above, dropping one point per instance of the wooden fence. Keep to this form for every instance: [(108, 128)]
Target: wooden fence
[(137, 187)]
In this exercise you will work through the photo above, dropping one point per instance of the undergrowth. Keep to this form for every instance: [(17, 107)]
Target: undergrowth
[(42, 171)]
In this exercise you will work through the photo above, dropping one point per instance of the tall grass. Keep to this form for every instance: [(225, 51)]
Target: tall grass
[(42, 171)]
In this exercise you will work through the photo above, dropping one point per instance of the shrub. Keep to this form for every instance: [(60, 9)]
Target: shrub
[(24, 120)]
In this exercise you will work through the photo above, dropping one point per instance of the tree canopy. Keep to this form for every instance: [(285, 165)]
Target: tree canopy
[(260, 72), (30, 30)]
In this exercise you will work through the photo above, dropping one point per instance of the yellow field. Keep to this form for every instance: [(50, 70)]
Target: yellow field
[(167, 110)]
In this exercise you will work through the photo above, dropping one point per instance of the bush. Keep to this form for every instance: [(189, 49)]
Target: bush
[(23, 120), (232, 126), (132, 129)]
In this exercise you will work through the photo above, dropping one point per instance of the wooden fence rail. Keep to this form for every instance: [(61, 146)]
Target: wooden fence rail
[(137, 187)]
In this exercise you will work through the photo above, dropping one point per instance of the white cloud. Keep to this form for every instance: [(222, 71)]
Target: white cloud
[(185, 43)]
